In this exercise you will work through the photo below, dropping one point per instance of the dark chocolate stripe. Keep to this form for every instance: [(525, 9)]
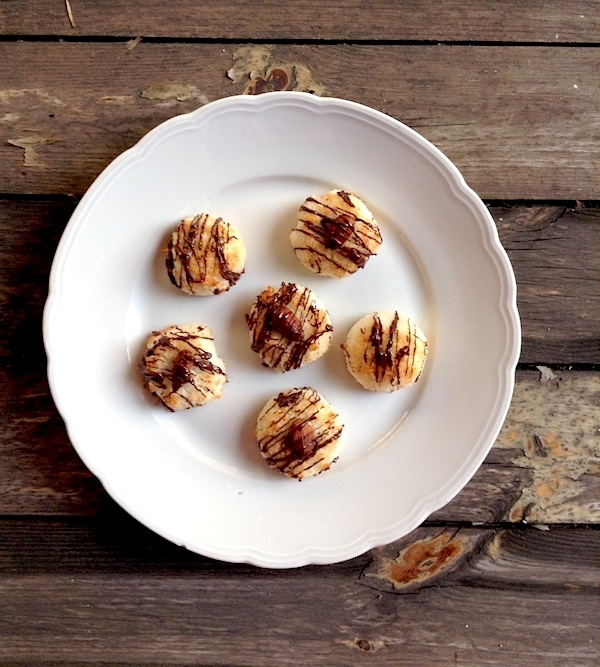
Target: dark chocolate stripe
[(276, 349), (356, 248), (189, 358), (278, 454), (189, 252)]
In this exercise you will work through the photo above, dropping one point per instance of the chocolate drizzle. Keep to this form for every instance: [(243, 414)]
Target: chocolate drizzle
[(301, 433), (183, 369), (391, 360), (175, 359), (222, 235), (288, 398), (337, 230), (339, 235), (199, 248), (285, 324)]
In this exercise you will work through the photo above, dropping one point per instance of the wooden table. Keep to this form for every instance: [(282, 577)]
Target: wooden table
[(507, 573)]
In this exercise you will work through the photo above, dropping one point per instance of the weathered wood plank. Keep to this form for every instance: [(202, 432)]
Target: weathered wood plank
[(114, 543), (42, 466), (485, 597), (541, 469), (142, 621), (554, 254), (475, 585), (552, 430), (559, 558), (519, 122), (511, 20)]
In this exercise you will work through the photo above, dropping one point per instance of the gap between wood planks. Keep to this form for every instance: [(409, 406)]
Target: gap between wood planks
[(94, 39)]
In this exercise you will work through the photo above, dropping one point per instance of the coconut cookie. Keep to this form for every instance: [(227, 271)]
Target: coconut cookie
[(336, 234), (385, 351), (181, 366), (205, 255), (298, 433), (289, 327)]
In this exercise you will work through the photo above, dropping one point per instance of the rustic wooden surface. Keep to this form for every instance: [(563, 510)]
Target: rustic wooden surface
[(520, 122), (507, 573), (452, 20)]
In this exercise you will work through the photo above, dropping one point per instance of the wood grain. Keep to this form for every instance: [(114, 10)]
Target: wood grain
[(114, 544), (554, 254), (452, 20), (519, 122), (507, 572), (87, 598), (245, 621), (552, 250), (541, 469), (552, 431)]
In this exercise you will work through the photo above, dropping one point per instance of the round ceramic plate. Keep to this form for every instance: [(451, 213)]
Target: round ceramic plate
[(196, 477)]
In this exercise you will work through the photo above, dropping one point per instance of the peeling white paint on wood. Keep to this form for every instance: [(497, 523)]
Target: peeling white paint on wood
[(554, 428)]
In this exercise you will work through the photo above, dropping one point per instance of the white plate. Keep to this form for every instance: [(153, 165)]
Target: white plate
[(196, 477)]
